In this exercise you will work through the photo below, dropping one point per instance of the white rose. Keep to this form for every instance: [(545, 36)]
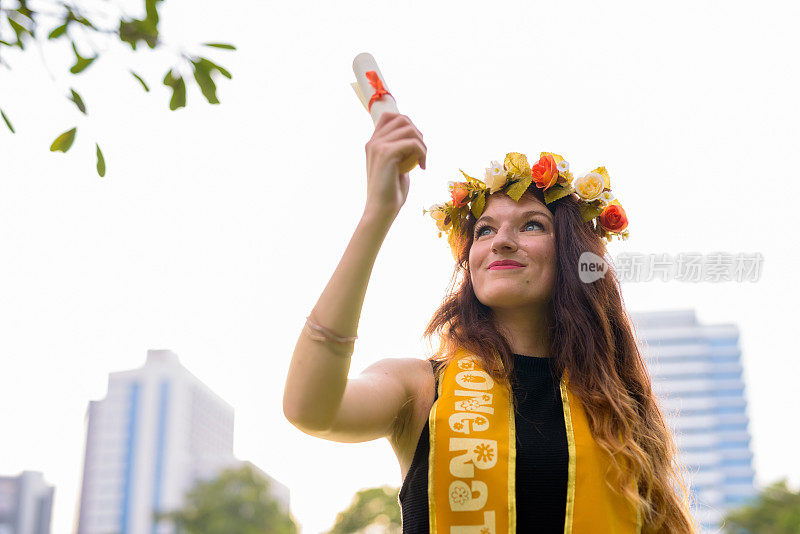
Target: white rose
[(495, 177), (563, 166)]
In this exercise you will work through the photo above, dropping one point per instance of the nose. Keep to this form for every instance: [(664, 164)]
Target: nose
[(504, 239)]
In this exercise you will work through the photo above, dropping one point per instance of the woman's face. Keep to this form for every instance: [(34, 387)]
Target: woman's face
[(520, 231)]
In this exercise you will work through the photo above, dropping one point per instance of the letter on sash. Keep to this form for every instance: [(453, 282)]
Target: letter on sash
[(481, 452), (461, 498)]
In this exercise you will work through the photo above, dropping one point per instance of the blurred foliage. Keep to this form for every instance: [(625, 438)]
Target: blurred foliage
[(776, 510), (374, 507), (77, 25), (238, 500)]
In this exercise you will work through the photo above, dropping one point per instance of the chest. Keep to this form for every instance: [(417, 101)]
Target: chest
[(541, 434)]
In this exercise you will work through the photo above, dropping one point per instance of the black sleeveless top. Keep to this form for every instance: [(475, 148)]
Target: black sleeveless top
[(542, 455)]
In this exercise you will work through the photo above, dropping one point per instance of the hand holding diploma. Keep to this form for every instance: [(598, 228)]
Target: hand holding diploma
[(377, 100), (395, 147)]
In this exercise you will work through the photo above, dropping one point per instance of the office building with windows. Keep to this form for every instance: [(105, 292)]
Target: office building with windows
[(156, 433), (26, 504), (696, 371)]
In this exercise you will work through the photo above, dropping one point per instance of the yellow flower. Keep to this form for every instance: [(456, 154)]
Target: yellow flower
[(589, 186)]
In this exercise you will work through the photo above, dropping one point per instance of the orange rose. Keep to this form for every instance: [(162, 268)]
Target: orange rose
[(545, 172), (459, 192), (613, 218)]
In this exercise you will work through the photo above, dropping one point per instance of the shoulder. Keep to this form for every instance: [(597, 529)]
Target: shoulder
[(408, 370), (414, 375), (417, 374)]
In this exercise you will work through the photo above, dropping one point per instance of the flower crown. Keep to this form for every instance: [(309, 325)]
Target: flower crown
[(551, 174)]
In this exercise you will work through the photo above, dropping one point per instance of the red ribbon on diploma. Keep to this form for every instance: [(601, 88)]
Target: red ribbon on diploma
[(377, 84)]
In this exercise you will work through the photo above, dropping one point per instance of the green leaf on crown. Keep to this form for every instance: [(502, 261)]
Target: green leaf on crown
[(517, 164), (474, 182), (557, 191), (590, 210), (516, 190), (478, 204)]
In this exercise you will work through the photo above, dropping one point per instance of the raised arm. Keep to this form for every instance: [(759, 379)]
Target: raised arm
[(317, 378)]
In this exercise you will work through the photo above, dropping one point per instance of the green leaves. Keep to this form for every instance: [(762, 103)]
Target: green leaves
[(202, 74), (133, 31), (556, 191), (238, 500), (151, 10), (75, 97), (221, 45), (516, 189), (141, 81), (80, 62), (146, 29), (58, 32), (776, 510), (101, 162), (478, 204), (8, 122), (64, 141), (178, 86), (590, 210), (19, 30), (24, 23), (370, 508)]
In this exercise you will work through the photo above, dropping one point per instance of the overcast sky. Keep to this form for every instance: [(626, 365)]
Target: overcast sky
[(217, 227)]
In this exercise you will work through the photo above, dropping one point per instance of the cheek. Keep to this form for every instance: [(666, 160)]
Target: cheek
[(545, 257)]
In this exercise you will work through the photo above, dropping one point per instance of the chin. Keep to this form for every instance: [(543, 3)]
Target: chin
[(508, 298)]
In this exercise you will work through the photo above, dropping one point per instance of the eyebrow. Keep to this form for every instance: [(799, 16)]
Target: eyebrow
[(525, 214)]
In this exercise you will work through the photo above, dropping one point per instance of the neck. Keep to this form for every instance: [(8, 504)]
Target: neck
[(526, 330)]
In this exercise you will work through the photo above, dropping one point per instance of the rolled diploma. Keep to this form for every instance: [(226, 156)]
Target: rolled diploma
[(361, 64)]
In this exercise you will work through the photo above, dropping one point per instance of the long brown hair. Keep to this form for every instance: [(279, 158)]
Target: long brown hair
[(592, 339)]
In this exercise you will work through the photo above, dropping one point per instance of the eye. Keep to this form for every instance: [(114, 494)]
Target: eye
[(540, 225), (480, 228)]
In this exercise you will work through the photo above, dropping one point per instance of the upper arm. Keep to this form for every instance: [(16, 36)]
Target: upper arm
[(375, 402)]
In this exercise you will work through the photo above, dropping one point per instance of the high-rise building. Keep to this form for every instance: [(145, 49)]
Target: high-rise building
[(696, 371), (156, 433), (26, 504)]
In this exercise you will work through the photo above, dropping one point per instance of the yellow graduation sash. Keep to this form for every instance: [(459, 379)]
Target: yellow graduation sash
[(472, 460)]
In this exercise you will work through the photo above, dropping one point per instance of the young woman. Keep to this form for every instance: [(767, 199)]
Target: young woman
[(584, 449)]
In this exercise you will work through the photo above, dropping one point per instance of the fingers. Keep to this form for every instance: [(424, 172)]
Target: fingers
[(394, 132), (404, 132), (390, 121), (401, 130), (398, 150)]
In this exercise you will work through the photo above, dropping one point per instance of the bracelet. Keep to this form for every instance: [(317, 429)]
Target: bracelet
[(323, 334)]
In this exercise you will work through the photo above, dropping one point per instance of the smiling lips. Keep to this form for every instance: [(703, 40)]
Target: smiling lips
[(505, 264)]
